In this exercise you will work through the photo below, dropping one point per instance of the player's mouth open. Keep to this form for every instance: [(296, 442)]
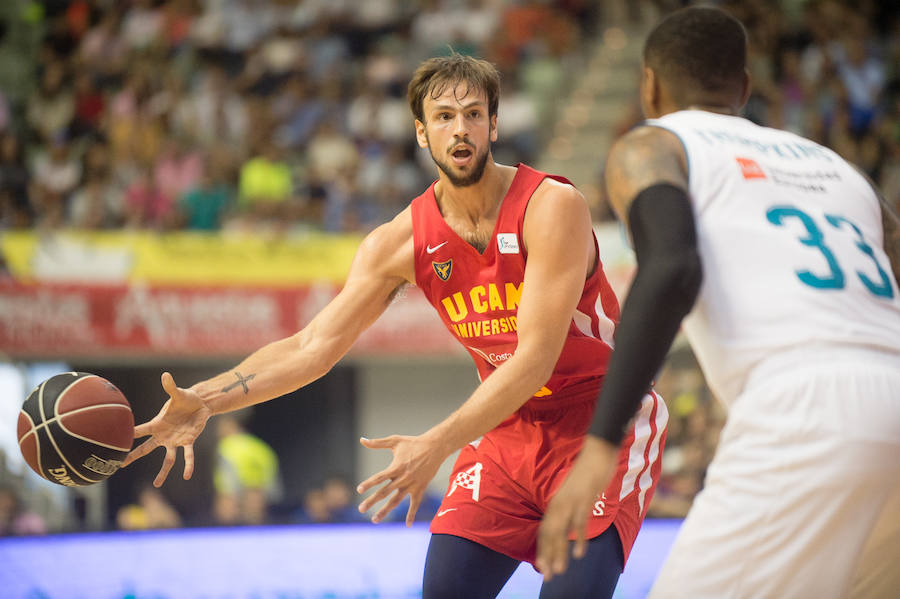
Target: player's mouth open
[(461, 155)]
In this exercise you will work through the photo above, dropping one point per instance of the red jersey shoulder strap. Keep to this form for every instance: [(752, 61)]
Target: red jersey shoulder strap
[(424, 216), (527, 180)]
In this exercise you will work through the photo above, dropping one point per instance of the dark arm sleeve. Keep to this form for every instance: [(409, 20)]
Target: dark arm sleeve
[(664, 290)]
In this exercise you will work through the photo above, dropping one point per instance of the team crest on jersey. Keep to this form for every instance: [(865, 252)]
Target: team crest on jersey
[(443, 269)]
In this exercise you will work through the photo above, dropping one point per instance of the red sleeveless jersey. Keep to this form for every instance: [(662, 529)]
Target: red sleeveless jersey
[(477, 294)]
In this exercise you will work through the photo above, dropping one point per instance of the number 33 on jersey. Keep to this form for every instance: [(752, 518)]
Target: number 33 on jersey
[(791, 239)]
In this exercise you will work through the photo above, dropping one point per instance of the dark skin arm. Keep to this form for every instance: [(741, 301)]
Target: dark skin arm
[(642, 158)]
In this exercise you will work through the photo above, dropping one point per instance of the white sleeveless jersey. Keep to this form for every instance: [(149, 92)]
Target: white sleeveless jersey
[(790, 237)]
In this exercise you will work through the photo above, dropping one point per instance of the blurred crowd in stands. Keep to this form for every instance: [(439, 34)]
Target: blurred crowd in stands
[(288, 116), (211, 114)]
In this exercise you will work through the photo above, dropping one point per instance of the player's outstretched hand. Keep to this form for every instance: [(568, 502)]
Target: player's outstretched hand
[(416, 461), (178, 424), (569, 508)]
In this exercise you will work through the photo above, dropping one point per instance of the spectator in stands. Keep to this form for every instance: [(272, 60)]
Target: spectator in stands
[(266, 186), (214, 113), (15, 208), (5, 112), (178, 19), (151, 511), (298, 109), (146, 206), (56, 173), (314, 509), (204, 206), (90, 105), (374, 114), (388, 177), (246, 474), (330, 153), (52, 106), (330, 503), (102, 50), (863, 75), (178, 168), (15, 518), (327, 51), (97, 204), (142, 25)]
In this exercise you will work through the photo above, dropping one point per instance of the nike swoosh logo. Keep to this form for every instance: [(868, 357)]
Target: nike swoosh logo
[(432, 250), (442, 512)]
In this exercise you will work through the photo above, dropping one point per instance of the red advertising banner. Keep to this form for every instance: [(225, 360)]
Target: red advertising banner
[(120, 321)]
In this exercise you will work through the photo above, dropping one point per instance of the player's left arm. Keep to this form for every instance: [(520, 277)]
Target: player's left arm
[(647, 183), (559, 240)]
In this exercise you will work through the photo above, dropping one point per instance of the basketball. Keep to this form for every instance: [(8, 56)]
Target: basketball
[(75, 429)]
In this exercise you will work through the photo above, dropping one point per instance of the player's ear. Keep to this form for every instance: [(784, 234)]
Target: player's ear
[(649, 90), (745, 95), (421, 138), (494, 134)]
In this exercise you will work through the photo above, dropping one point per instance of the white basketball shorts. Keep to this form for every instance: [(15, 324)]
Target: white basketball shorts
[(802, 499)]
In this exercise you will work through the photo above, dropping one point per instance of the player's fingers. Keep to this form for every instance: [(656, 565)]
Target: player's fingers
[(374, 480), (559, 561), (377, 496), (167, 464), (415, 500), (142, 430), (188, 461), (559, 555), (168, 384), (388, 507), (552, 542), (382, 443), (579, 523), (140, 451)]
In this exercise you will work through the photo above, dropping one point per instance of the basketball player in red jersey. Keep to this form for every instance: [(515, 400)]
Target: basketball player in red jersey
[(508, 258)]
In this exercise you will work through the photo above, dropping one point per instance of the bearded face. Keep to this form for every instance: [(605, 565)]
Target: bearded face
[(458, 131), (462, 162)]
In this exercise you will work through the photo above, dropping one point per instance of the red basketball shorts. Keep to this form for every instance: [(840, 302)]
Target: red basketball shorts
[(502, 483)]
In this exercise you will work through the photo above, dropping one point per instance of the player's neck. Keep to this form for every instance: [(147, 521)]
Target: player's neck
[(727, 110), (479, 200)]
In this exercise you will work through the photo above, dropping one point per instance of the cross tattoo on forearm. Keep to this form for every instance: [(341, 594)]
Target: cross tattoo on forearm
[(242, 381)]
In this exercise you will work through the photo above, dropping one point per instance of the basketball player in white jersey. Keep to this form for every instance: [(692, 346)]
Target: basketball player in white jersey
[(785, 263)]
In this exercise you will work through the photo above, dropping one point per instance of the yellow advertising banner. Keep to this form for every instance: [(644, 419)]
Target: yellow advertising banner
[(181, 258)]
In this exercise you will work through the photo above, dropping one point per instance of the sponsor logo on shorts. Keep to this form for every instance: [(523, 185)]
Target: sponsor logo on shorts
[(468, 479), (447, 511)]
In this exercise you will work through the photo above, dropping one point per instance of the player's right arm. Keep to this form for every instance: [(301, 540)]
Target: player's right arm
[(382, 265)]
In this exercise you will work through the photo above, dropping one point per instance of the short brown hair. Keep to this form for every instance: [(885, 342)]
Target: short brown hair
[(435, 74)]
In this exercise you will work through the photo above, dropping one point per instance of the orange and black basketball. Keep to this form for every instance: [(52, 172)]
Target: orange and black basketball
[(75, 429)]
